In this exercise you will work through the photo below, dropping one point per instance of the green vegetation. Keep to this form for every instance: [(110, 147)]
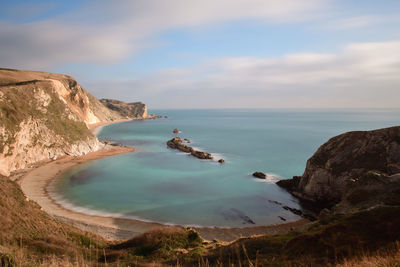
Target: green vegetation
[(14, 108), (18, 103), (61, 125)]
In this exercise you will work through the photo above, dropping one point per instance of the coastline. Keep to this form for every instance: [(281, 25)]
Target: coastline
[(95, 128), (35, 182)]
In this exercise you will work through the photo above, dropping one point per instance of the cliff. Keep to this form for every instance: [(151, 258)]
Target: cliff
[(127, 110), (43, 116), (354, 170)]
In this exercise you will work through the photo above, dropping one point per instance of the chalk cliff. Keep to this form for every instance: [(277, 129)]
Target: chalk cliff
[(45, 115)]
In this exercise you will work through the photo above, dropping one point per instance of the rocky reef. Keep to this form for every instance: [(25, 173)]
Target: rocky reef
[(45, 115), (352, 171), (176, 143)]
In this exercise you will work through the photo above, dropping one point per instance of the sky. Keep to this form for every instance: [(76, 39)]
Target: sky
[(181, 54)]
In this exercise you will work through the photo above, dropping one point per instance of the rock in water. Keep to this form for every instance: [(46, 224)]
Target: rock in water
[(176, 143), (221, 161), (260, 175), (176, 130), (201, 155)]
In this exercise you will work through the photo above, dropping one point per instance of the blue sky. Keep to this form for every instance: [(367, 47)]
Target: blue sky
[(213, 54)]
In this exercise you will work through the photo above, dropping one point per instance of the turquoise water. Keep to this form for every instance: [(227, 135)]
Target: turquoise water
[(156, 183)]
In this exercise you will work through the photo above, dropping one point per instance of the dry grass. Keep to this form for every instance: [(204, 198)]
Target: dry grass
[(383, 259), (30, 237)]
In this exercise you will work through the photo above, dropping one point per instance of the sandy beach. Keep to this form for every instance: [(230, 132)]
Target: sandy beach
[(35, 182), (96, 127)]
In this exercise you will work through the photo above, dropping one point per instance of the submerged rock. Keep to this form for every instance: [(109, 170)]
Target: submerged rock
[(260, 175), (283, 219)]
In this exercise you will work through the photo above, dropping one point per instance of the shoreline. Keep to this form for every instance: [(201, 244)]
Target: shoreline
[(35, 182), (95, 128)]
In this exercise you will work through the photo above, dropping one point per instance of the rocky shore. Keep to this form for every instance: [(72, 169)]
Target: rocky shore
[(351, 172)]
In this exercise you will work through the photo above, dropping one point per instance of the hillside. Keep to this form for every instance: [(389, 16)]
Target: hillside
[(127, 110), (352, 171), (43, 116)]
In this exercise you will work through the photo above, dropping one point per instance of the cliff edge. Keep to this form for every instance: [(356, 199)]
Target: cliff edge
[(127, 110), (354, 170), (43, 116)]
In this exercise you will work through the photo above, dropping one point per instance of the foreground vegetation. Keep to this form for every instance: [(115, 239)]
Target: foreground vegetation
[(30, 237)]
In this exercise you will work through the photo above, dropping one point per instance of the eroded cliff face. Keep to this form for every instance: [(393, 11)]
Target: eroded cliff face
[(43, 116), (353, 168), (136, 110)]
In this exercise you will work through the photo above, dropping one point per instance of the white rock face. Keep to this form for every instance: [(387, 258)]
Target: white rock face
[(28, 148), (45, 116)]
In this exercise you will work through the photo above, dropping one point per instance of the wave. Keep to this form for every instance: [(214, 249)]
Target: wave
[(66, 204), (271, 178), (97, 130)]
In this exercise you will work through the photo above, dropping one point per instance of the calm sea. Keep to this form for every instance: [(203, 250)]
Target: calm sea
[(156, 183)]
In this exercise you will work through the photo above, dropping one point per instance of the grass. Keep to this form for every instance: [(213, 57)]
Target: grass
[(345, 237), (19, 103), (30, 237), (161, 245)]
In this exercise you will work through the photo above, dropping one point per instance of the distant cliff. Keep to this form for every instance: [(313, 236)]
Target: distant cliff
[(45, 115), (127, 110), (355, 170)]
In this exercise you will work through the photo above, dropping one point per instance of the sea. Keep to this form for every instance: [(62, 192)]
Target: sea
[(159, 184)]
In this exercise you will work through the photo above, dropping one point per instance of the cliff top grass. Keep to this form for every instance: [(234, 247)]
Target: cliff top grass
[(18, 103), (12, 76)]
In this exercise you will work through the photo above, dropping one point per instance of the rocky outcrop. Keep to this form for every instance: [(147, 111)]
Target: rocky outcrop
[(355, 170), (44, 116), (136, 110), (260, 175), (176, 143), (201, 154)]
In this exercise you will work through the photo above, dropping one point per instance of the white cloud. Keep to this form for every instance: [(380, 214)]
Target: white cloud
[(353, 22), (360, 75), (108, 31)]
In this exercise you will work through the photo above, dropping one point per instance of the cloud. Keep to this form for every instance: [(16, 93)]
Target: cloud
[(360, 75), (109, 31), (353, 22)]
